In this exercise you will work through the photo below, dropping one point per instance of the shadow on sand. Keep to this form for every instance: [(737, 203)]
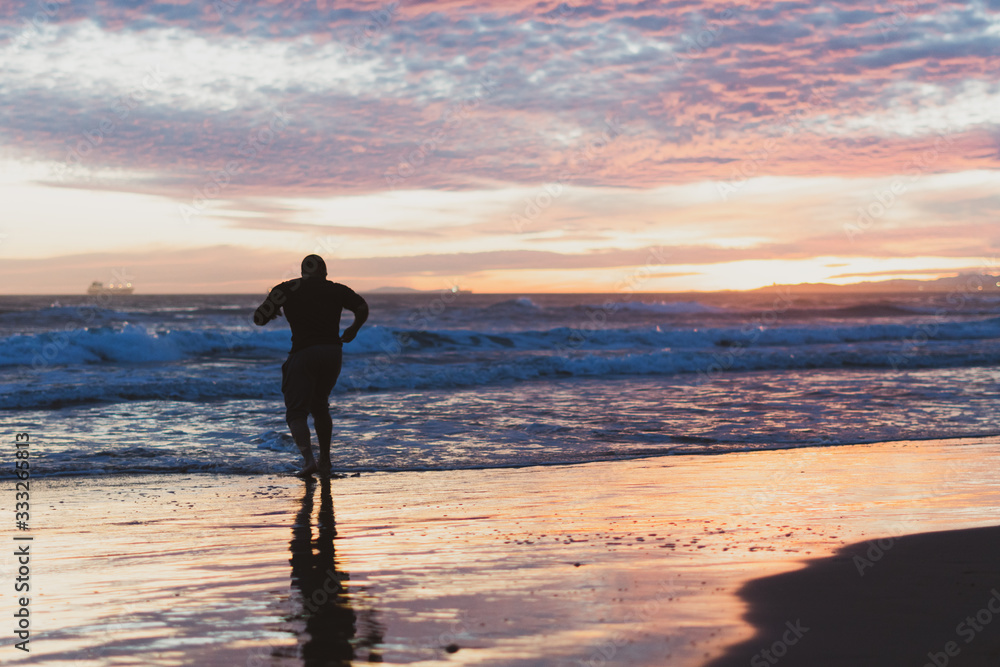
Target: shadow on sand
[(927, 599)]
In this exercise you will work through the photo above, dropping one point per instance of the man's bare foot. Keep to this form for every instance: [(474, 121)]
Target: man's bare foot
[(307, 471), (324, 468)]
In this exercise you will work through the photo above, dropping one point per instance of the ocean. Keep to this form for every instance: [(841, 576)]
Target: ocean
[(435, 381)]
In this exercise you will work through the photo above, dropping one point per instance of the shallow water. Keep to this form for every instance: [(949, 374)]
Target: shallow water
[(182, 384)]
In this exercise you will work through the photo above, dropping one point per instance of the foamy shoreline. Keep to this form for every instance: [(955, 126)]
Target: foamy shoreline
[(629, 562)]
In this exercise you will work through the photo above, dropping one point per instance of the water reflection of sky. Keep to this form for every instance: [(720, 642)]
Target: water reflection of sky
[(512, 567)]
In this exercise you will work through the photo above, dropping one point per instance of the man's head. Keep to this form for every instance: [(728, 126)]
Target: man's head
[(313, 266)]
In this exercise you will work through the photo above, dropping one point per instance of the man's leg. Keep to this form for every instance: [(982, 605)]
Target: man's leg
[(324, 434), (295, 384), (320, 404), (300, 433)]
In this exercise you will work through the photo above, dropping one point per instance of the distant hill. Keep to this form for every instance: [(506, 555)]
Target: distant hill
[(965, 282), (393, 290), (410, 290)]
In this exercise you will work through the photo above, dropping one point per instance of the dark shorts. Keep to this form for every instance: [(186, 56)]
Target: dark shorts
[(307, 378)]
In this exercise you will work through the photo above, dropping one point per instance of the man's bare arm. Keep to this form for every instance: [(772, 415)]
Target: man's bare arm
[(270, 309), (360, 317)]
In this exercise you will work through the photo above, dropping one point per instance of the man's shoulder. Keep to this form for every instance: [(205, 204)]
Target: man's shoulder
[(288, 285), (317, 288)]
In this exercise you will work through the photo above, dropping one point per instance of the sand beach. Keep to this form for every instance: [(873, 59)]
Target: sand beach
[(680, 560)]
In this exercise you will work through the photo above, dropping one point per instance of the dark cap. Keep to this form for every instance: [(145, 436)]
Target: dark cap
[(313, 265)]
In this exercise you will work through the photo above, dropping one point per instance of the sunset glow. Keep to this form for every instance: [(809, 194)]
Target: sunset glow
[(530, 147)]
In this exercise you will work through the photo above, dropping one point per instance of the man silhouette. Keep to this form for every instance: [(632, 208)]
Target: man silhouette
[(312, 305)]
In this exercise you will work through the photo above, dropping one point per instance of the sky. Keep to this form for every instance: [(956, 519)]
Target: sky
[(199, 147)]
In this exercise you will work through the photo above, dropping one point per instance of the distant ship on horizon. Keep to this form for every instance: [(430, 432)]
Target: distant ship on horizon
[(97, 287)]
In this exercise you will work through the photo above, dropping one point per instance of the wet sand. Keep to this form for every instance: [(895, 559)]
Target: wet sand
[(631, 562)]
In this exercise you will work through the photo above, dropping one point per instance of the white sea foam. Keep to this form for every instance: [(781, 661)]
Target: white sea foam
[(133, 344)]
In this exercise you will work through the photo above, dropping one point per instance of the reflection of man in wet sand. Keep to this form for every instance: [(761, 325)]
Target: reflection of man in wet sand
[(312, 305), (330, 621)]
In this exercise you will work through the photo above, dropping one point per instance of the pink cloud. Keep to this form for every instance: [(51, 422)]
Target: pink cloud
[(758, 86)]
